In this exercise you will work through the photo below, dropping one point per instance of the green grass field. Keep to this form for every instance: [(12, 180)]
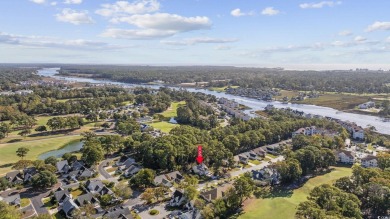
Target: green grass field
[(172, 111), (221, 89), (37, 147), (163, 126), (284, 206)]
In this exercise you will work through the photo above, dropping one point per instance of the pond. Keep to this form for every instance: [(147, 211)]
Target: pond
[(71, 147)]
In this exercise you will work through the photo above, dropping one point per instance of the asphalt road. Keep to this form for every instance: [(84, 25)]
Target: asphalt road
[(102, 171)]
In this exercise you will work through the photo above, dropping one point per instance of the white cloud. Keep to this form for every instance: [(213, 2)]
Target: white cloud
[(223, 47), (237, 13), (360, 39), (140, 34), (270, 11), (157, 25), (74, 17), (164, 21), (123, 8), (75, 2), (319, 4), (38, 1), (378, 26), (53, 3), (388, 39), (50, 42), (345, 33), (201, 40)]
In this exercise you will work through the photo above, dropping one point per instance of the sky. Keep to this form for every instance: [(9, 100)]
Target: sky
[(293, 34)]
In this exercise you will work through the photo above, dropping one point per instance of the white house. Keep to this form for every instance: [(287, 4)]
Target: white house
[(367, 105), (370, 161), (347, 157), (312, 130)]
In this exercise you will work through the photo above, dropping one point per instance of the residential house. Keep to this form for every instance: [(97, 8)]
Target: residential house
[(201, 169), (370, 161), (68, 207), (215, 193), (118, 213), (13, 200), (347, 157), (96, 186), (312, 130), (29, 173), (61, 195), (62, 167), (168, 179), (14, 177), (367, 105), (177, 199), (132, 170), (268, 175), (85, 199)]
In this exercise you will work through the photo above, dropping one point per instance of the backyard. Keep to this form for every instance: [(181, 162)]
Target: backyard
[(283, 205)]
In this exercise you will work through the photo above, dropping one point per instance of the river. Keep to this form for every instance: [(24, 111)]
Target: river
[(361, 120)]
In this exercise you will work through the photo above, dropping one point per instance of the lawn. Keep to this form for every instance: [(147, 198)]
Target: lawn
[(337, 101), (47, 203), (76, 193), (172, 111), (284, 205), (255, 162), (221, 89), (163, 126), (24, 202), (37, 147)]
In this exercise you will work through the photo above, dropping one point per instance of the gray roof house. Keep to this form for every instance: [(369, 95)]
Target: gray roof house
[(86, 199), (177, 199), (61, 195), (132, 170), (62, 166), (118, 213), (29, 173), (14, 177), (68, 207), (96, 186), (13, 200)]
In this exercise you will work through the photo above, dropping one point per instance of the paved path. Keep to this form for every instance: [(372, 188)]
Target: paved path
[(103, 173)]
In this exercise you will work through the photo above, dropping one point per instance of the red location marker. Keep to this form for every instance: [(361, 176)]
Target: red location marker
[(199, 158)]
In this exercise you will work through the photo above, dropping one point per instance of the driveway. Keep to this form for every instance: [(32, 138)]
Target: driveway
[(103, 173)]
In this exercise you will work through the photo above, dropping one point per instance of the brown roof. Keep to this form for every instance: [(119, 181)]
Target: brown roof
[(369, 157), (216, 192), (348, 153)]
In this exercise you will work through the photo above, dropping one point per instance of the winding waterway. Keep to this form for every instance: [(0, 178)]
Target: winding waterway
[(361, 120)]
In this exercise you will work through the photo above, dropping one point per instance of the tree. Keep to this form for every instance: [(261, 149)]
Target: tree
[(51, 160), (123, 190), (326, 200), (231, 142), (208, 212), (384, 160), (92, 152), (190, 192), (41, 128), (106, 200), (244, 187), (4, 184), (159, 192), (22, 164), (148, 195), (9, 212), (25, 132), (44, 179), (289, 170), (145, 177), (22, 152)]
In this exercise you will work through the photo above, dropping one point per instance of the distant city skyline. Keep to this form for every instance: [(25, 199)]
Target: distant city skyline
[(305, 34)]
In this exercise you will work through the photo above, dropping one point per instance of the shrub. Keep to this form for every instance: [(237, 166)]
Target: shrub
[(154, 212)]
